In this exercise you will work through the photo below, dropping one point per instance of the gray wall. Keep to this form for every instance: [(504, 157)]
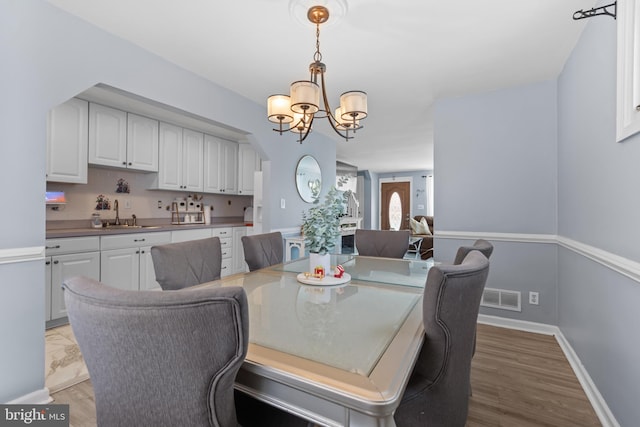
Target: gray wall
[(598, 206), (49, 56), (558, 201), (495, 163)]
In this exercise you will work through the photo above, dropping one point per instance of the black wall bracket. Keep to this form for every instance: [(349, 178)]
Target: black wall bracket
[(602, 10)]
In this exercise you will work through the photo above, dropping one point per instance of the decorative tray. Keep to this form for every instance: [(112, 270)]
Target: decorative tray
[(325, 281)]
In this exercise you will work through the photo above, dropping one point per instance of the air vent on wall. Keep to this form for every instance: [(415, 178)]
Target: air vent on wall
[(501, 298)]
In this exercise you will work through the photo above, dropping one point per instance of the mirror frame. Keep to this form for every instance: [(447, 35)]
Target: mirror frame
[(309, 187)]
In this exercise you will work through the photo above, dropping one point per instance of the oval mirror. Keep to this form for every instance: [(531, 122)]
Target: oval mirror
[(308, 179)]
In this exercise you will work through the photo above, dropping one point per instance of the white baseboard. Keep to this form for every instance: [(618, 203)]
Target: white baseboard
[(595, 398), (38, 397)]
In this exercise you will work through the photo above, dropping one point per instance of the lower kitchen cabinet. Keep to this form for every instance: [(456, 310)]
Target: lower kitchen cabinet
[(66, 258), (126, 262), (239, 266)]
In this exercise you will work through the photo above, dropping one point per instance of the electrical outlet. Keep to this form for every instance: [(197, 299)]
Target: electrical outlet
[(127, 204), (533, 298), (282, 204), (159, 204)]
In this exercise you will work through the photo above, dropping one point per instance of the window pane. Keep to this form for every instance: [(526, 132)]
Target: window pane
[(395, 211)]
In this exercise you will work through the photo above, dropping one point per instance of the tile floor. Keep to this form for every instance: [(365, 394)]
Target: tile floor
[(64, 365)]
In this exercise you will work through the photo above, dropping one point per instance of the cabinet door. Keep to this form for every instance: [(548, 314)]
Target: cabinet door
[(142, 143), (147, 272), (107, 136), (231, 167), (239, 266), (66, 266), (170, 157), (192, 164), (67, 139), (248, 163), (212, 160), (47, 289), (120, 268)]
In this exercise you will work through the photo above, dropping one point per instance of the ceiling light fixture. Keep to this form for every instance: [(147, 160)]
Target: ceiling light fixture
[(302, 105)]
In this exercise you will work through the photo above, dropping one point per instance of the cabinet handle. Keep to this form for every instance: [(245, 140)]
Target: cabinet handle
[(141, 252), (137, 252), (124, 163), (138, 240), (129, 163), (47, 263), (55, 262), (52, 247)]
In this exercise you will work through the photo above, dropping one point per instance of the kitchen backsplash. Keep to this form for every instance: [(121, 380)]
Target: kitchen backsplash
[(82, 198)]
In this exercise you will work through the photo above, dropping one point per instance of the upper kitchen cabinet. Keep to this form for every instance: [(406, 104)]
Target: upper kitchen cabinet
[(248, 163), (122, 140), (67, 133), (180, 167), (220, 165)]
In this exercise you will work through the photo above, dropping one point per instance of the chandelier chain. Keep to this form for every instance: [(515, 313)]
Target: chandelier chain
[(317, 56)]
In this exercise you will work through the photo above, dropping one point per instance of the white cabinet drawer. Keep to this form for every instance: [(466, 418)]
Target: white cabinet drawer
[(222, 232), (134, 240), (227, 267), (227, 252), (186, 235), (72, 245), (226, 242)]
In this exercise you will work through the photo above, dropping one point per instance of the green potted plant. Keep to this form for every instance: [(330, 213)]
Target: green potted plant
[(321, 227)]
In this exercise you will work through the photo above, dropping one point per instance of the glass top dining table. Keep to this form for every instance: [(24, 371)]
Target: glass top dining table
[(335, 355)]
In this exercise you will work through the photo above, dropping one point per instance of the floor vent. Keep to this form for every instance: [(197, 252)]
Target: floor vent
[(501, 299)]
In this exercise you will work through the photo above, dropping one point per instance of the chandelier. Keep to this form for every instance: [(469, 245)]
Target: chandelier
[(299, 109)]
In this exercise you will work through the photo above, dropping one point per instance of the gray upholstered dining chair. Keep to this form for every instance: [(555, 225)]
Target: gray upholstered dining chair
[(382, 243), (263, 250), (438, 390), (479, 245), (184, 264), (160, 358)]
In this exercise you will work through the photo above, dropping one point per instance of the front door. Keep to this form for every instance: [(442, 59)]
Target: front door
[(394, 203)]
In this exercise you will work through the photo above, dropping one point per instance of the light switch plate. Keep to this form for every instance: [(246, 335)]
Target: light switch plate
[(282, 204)]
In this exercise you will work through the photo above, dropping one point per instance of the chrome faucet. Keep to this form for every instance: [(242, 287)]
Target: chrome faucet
[(115, 207)]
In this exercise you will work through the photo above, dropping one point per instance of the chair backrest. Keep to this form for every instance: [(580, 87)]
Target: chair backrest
[(184, 264), (479, 245), (438, 392), (263, 250), (160, 358), (382, 243)]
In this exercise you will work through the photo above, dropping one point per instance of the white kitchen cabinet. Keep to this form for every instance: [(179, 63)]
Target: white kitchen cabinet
[(66, 258), (180, 160), (248, 163), (239, 266), (107, 136), (122, 140), (125, 261), (220, 165), (142, 143), (67, 136), (192, 163), (225, 234)]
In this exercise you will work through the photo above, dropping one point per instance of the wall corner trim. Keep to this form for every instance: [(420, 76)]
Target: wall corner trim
[(600, 406)]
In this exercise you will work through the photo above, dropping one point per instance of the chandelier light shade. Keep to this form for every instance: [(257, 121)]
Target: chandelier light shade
[(279, 109), (303, 104)]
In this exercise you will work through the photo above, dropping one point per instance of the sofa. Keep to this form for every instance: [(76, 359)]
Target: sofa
[(426, 249)]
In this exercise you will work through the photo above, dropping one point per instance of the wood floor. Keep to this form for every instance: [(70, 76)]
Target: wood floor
[(518, 379)]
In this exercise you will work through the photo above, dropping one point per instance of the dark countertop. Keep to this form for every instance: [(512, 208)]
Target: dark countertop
[(81, 228)]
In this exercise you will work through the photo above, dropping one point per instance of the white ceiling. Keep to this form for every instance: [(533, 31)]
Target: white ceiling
[(404, 53)]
